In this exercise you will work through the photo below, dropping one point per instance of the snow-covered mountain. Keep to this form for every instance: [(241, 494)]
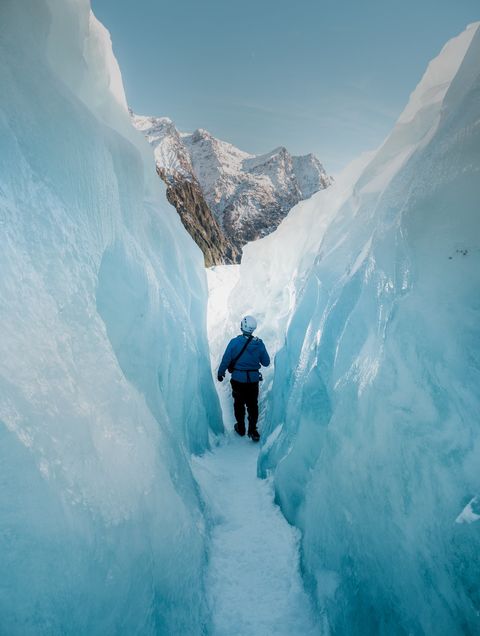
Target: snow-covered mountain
[(248, 195)]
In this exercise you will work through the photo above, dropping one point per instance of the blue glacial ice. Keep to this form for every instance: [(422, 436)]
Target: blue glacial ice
[(103, 330), (370, 296), (368, 293)]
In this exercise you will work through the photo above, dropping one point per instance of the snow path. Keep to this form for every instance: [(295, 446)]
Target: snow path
[(253, 576)]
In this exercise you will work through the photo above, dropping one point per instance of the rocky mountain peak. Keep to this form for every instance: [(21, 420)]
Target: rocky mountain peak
[(245, 196), (199, 134)]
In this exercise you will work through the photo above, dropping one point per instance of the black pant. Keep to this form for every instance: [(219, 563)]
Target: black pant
[(245, 394)]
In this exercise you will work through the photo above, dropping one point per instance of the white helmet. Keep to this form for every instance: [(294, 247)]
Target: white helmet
[(248, 324)]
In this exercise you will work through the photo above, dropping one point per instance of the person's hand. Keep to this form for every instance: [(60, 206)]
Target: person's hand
[(220, 377)]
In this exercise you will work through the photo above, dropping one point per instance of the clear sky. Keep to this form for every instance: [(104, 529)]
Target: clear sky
[(311, 75)]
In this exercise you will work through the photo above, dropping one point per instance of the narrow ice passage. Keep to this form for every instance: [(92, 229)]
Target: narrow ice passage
[(253, 579)]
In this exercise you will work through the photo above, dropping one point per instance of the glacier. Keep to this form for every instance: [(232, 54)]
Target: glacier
[(105, 384), (369, 294)]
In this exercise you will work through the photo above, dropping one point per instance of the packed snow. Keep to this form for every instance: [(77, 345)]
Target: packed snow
[(253, 578)]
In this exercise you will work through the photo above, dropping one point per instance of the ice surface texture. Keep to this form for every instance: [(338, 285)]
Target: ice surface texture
[(372, 430), (253, 579), (104, 373)]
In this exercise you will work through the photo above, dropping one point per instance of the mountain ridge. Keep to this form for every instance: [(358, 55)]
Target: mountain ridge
[(238, 196)]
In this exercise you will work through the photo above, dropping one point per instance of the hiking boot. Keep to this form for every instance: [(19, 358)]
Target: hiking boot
[(239, 429), (254, 435)]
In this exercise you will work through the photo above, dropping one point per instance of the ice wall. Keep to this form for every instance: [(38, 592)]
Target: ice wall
[(104, 374), (371, 431)]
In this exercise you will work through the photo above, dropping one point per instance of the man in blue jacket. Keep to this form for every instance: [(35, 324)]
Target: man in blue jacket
[(243, 357)]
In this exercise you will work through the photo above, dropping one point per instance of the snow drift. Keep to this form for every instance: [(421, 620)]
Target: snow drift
[(371, 427), (102, 317)]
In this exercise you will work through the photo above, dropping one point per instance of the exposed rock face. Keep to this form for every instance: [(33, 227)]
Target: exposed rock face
[(250, 195), (227, 197), (187, 197)]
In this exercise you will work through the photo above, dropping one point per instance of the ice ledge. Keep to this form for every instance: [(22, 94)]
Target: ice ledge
[(440, 72)]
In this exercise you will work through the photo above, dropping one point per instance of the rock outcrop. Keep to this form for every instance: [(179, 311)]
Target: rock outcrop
[(187, 197)]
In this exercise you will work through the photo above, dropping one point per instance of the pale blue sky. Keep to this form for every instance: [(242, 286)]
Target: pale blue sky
[(314, 76)]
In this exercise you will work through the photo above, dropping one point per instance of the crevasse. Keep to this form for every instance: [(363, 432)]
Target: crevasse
[(367, 293)]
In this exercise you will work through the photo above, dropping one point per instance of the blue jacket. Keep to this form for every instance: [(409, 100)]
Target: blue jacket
[(246, 368)]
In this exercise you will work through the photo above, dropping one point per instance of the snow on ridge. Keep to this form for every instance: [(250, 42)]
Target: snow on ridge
[(308, 169), (169, 150), (146, 122), (212, 157), (249, 194)]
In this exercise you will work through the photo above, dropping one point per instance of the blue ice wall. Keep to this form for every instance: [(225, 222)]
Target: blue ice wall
[(372, 426), (104, 375)]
